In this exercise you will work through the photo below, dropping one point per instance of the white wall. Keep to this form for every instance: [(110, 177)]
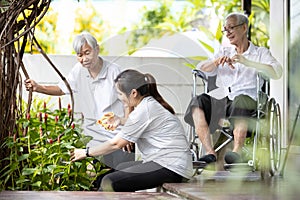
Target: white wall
[(279, 48), (173, 77)]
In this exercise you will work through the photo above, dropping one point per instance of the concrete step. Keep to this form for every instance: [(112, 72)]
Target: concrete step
[(82, 195)]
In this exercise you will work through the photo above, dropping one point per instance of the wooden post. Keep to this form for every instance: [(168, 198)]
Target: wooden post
[(246, 6)]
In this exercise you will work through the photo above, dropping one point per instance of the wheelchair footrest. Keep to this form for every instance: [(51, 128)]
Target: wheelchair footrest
[(237, 166), (199, 164)]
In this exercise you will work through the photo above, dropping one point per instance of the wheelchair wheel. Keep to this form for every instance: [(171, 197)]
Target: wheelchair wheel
[(198, 166), (271, 141), (275, 137), (196, 150)]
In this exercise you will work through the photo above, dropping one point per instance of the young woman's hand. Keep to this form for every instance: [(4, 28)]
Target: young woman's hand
[(109, 121), (129, 147), (112, 123), (77, 154)]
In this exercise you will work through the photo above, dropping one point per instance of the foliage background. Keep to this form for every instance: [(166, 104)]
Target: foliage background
[(39, 158), (156, 21)]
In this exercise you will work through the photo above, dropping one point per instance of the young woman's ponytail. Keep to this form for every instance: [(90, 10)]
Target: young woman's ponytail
[(145, 84), (155, 94)]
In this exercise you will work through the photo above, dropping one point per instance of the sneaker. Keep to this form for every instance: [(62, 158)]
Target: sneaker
[(232, 157), (209, 158)]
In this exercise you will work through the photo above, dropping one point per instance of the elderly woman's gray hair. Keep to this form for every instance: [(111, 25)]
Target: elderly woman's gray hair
[(83, 38)]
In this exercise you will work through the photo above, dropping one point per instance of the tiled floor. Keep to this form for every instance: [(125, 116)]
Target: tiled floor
[(224, 185), (238, 185), (79, 195), (208, 185)]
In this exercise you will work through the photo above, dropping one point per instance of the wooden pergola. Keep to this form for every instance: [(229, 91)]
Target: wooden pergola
[(18, 19)]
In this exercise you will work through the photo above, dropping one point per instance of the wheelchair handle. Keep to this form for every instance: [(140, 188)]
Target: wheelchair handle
[(200, 74)]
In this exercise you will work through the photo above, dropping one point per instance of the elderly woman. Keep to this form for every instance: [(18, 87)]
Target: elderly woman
[(236, 69)]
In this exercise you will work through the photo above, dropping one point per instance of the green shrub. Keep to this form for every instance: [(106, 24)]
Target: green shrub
[(39, 152)]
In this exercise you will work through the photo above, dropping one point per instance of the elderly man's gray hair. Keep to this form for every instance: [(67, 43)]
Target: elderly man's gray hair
[(241, 18), (83, 38)]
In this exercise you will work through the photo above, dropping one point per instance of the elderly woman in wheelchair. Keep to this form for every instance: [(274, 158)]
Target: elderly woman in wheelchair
[(236, 69)]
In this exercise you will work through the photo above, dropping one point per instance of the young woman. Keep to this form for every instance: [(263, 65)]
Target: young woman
[(158, 133)]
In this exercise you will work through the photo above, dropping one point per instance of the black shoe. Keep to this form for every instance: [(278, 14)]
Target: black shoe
[(97, 182), (209, 158), (232, 157)]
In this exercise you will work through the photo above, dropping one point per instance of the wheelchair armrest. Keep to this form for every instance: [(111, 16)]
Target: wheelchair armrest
[(210, 81), (199, 74)]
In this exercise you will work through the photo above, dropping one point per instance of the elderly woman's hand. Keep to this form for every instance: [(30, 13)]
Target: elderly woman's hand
[(77, 154)]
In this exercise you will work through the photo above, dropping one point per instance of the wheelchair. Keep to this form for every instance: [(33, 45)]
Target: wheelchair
[(263, 151)]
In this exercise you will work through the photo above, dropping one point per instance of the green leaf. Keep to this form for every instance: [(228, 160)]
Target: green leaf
[(219, 34), (22, 181), (37, 184), (64, 187), (207, 46), (59, 174), (78, 164), (86, 187), (28, 171), (36, 158), (25, 124), (198, 58), (51, 167), (82, 142), (23, 157), (7, 170), (190, 65), (52, 155)]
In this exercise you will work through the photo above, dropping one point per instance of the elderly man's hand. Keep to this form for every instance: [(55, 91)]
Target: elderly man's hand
[(30, 84), (225, 60), (239, 58)]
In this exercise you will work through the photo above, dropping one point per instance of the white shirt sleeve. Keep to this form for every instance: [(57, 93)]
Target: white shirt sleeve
[(71, 78), (136, 124), (267, 58)]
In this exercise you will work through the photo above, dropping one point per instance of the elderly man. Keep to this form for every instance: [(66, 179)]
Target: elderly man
[(92, 81), (236, 68)]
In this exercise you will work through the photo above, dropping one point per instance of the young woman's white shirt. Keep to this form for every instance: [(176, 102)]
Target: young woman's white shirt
[(159, 136)]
